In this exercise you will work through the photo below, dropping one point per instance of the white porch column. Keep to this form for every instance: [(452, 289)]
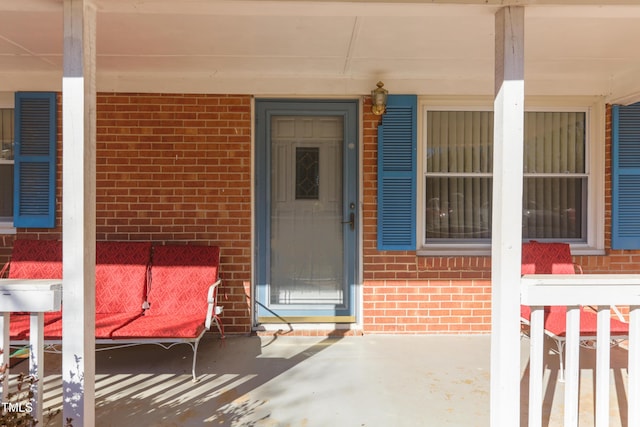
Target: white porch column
[(506, 245), (78, 210)]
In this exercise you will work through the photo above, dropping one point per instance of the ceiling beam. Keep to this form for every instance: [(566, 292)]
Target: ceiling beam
[(31, 5), (625, 88), (594, 8)]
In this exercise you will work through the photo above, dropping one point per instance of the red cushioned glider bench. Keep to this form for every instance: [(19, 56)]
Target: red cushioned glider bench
[(555, 258), (163, 295)]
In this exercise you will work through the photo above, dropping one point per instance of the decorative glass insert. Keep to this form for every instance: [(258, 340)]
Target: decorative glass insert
[(307, 173)]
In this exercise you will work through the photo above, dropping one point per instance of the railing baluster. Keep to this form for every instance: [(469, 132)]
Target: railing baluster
[(4, 359), (572, 368), (573, 291), (536, 360), (603, 358), (634, 366)]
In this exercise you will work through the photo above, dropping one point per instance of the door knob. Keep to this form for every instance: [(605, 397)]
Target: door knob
[(352, 221)]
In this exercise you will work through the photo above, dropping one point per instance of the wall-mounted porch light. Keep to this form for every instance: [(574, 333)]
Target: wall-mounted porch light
[(379, 99)]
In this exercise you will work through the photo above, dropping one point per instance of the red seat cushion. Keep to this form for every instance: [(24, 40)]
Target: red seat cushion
[(180, 279), (555, 258), (121, 276), (546, 258), (121, 279), (19, 324), (556, 323), (36, 259), (162, 326), (106, 323)]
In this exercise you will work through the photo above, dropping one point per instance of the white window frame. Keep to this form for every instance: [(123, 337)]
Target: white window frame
[(595, 110), (7, 101)]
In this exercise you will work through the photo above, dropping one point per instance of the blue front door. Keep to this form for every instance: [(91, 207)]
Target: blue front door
[(306, 210)]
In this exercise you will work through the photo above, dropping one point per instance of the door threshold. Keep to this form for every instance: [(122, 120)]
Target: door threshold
[(306, 319), (309, 329)]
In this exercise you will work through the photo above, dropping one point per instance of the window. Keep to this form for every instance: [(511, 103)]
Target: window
[(458, 182), (560, 195), (6, 167), (555, 178)]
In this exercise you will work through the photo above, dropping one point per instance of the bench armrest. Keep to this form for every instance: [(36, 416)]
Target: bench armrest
[(5, 269), (213, 310)]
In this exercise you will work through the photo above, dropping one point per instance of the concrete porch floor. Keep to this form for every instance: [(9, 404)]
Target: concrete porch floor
[(368, 381)]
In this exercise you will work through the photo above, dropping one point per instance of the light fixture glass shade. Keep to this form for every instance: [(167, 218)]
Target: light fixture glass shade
[(379, 99)]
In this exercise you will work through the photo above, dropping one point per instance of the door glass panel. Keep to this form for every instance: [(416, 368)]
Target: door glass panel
[(307, 173), (306, 211)]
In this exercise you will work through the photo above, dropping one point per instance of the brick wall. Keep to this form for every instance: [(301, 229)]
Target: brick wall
[(405, 293), (176, 169)]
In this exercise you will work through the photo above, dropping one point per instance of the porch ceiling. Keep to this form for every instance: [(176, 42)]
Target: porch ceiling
[(325, 48)]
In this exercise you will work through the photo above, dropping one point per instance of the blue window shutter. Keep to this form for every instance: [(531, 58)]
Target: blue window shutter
[(625, 207), (397, 145), (35, 160)]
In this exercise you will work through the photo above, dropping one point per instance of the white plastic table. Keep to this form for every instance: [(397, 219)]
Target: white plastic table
[(35, 296)]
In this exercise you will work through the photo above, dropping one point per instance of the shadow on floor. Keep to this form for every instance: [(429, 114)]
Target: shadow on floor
[(553, 399), (368, 381), (149, 386)]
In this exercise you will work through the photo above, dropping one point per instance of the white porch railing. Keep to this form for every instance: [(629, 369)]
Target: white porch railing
[(603, 291)]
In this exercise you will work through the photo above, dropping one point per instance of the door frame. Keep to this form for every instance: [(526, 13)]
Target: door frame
[(265, 109)]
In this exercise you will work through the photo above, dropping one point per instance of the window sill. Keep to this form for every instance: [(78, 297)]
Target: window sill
[(455, 250), (7, 228), (444, 250)]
